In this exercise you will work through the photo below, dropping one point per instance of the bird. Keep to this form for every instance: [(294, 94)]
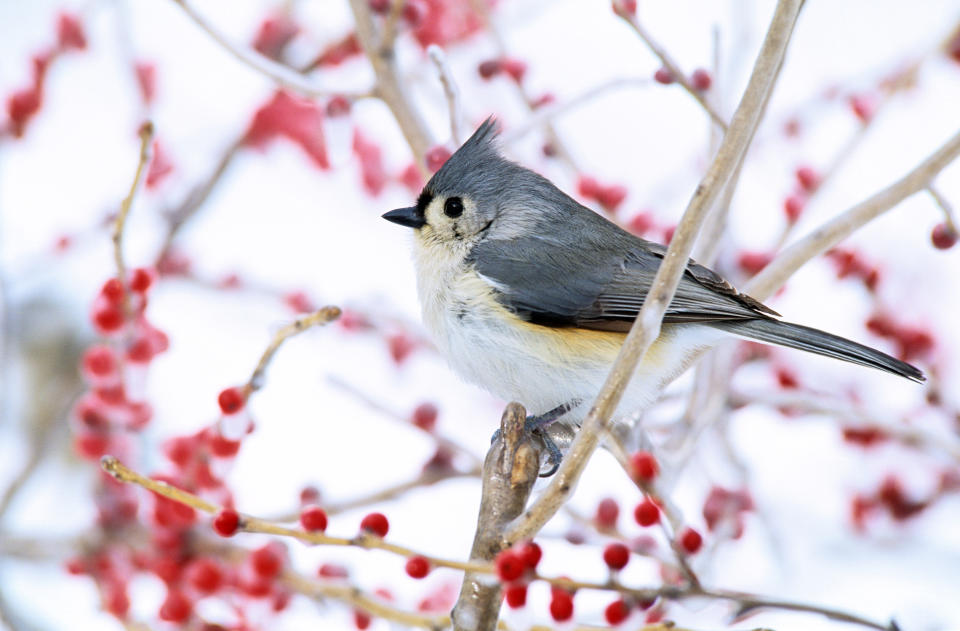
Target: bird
[(530, 295)]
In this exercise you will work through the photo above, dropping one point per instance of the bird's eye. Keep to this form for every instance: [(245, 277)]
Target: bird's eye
[(453, 207)]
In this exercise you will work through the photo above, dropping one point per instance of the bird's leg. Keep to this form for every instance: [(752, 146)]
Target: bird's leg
[(537, 425)]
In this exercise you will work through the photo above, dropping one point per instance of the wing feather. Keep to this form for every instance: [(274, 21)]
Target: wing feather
[(598, 279)]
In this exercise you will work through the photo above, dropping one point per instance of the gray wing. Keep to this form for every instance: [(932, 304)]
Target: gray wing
[(597, 277)]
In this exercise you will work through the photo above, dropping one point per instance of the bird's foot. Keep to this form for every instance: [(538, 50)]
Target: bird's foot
[(537, 426)]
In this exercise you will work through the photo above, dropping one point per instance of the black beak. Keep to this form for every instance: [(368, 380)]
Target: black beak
[(408, 217)]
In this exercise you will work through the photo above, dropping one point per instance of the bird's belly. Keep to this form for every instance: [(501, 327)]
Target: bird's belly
[(543, 367)]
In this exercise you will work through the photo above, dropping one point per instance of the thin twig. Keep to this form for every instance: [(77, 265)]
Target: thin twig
[(547, 113), (146, 138), (179, 216), (647, 325), (279, 73), (671, 65), (443, 442), (774, 275), (949, 216), (450, 91), (253, 524), (322, 316)]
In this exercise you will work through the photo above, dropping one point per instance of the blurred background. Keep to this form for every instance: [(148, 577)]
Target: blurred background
[(830, 484)]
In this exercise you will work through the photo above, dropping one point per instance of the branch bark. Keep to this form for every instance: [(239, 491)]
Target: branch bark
[(509, 472), (646, 328)]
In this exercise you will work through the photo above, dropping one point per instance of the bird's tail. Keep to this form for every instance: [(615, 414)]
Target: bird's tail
[(805, 338)]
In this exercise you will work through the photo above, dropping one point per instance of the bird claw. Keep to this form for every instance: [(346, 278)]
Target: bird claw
[(537, 426)]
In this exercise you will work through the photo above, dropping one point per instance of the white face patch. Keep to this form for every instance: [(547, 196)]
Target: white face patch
[(453, 230)]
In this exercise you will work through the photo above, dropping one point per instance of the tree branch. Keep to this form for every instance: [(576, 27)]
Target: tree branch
[(774, 275), (509, 472), (646, 328), (277, 72)]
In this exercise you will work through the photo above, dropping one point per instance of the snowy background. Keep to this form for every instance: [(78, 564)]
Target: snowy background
[(281, 225)]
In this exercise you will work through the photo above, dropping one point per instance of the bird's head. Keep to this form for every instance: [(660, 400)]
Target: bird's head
[(477, 194)]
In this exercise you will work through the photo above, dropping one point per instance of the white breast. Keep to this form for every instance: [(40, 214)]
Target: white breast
[(540, 367)]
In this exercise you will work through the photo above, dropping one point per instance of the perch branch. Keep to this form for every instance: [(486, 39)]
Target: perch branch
[(509, 472)]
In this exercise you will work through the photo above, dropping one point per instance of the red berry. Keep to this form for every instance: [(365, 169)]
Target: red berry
[(375, 523), (309, 495), (176, 608), (787, 378), (515, 68), (753, 262), (690, 540), (112, 290), (231, 400), (417, 567), (644, 466), (793, 206), (313, 518), (610, 197), (221, 446), (205, 575), (646, 513), (338, 105), (489, 68), (331, 570), (588, 187), (140, 280), (616, 556), (267, 561), (400, 346), (380, 6), (624, 7), (91, 445), (664, 76), (607, 513), (70, 34), (561, 605), (863, 107), (116, 601), (808, 178), (943, 237), (701, 80), (641, 223), (99, 361), (436, 157), (510, 565), (361, 619), (616, 612), (140, 351), (226, 522), (413, 12), (299, 302), (425, 416), (108, 319), (516, 595), (531, 553), (180, 450)]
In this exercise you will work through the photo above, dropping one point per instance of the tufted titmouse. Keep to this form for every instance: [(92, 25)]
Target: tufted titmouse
[(530, 294)]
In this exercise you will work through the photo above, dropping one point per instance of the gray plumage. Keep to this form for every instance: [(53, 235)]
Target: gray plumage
[(555, 263)]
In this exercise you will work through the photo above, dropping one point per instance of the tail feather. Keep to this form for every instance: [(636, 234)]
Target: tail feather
[(812, 340)]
